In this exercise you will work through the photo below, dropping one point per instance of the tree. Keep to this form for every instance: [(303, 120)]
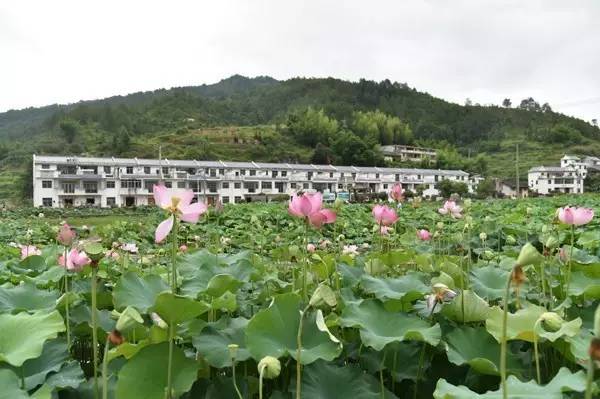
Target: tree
[(529, 104), (448, 187), (322, 155), (349, 149), (378, 127), (311, 126), (546, 108), (468, 102), (506, 103), (486, 188), (69, 129), (595, 122)]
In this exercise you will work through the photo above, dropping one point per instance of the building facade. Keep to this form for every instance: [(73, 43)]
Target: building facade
[(60, 181), (408, 153)]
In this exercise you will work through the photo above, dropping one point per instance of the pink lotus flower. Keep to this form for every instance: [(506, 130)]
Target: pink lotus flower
[(397, 193), (75, 260), (183, 248), (575, 216), (28, 250), (423, 235), (66, 235), (311, 248), (384, 215), (309, 206), (450, 208), (179, 204)]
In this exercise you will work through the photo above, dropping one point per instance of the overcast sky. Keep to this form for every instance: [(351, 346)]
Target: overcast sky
[(64, 51)]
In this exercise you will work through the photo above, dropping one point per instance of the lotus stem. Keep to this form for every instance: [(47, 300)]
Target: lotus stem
[(503, 343), (95, 330), (570, 264), (536, 353), (590, 380), (237, 390), (105, 370), (299, 354), (543, 273), (419, 370), (260, 382), (381, 376), (170, 362), (67, 303)]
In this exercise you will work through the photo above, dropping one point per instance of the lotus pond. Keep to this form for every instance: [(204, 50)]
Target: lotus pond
[(493, 299)]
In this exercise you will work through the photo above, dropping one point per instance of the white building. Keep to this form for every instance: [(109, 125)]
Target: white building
[(408, 153), (549, 179), (60, 181)]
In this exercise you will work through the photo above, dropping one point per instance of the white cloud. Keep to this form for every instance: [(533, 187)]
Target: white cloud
[(64, 51)]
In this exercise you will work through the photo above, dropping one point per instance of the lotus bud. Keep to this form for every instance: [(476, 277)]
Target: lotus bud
[(65, 235), (482, 236), (233, 350), (551, 321), (440, 225), (488, 254), (128, 319), (337, 204), (551, 242), (529, 256), (270, 367), (529, 210), (510, 240)]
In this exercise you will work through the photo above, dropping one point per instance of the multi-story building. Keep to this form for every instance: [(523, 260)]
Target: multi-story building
[(60, 181), (408, 153), (551, 179)]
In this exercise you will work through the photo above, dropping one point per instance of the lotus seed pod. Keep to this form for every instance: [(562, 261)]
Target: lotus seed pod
[(271, 366), (233, 350), (529, 256), (595, 349), (510, 240), (482, 236), (488, 254), (551, 321), (116, 338), (551, 242)]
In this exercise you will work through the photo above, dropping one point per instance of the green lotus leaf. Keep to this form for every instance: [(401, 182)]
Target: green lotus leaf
[(408, 288), (11, 386), (325, 380), (273, 332), (52, 275), (489, 282), (564, 381), (476, 309), (582, 284), (44, 392), (23, 335), (226, 302), (145, 375), (176, 308), (69, 376), (520, 324), (222, 283), (34, 262), (26, 297), (478, 349), (139, 292), (378, 327), (213, 340)]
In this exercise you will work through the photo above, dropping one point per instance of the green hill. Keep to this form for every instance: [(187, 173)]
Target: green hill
[(296, 120)]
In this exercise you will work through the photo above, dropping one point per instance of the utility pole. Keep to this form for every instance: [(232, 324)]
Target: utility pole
[(517, 167), (160, 162)]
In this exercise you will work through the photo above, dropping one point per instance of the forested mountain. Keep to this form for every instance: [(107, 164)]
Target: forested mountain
[(296, 120)]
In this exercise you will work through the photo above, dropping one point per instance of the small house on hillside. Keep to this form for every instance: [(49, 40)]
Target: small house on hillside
[(508, 188)]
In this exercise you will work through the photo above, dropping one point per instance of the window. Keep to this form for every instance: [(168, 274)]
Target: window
[(212, 173), (46, 166), (47, 202), (129, 170), (253, 172), (131, 184), (147, 170), (90, 187), (309, 175), (377, 175), (225, 184), (283, 173), (90, 201), (243, 172), (251, 186), (385, 186), (168, 184), (212, 186), (111, 201), (225, 200), (342, 175), (180, 184), (237, 199), (46, 183), (267, 184), (279, 186), (165, 171), (354, 175), (221, 171), (110, 184), (274, 173), (331, 174), (107, 169), (305, 186), (293, 185), (237, 185), (340, 186), (68, 188), (397, 178)]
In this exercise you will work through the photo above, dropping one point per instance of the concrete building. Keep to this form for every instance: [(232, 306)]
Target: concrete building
[(553, 179), (61, 181), (408, 153)]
